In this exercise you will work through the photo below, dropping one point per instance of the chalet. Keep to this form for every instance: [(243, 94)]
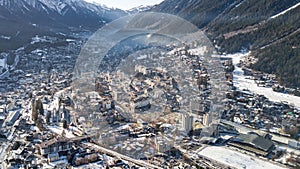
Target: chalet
[(55, 145)]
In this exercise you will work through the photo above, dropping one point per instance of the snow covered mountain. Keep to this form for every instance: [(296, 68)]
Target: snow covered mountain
[(22, 19), (65, 12), (138, 9)]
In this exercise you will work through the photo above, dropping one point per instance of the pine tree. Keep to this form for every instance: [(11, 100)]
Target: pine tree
[(39, 106), (65, 124), (34, 114), (48, 115)]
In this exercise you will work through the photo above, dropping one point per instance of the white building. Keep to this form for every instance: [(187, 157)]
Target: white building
[(207, 119), (187, 122)]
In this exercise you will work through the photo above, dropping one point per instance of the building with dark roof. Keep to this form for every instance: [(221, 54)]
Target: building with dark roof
[(253, 142), (55, 145), (13, 117)]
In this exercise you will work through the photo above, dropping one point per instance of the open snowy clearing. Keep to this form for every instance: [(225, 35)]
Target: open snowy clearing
[(242, 82), (236, 159)]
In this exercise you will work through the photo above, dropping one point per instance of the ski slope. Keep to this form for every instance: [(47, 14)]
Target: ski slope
[(285, 11)]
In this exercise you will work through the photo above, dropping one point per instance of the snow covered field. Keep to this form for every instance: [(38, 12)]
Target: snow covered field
[(241, 82), (236, 159)]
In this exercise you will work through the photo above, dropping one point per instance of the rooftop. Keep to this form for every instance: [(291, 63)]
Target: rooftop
[(254, 140)]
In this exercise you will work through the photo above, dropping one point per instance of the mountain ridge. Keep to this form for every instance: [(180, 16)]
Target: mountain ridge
[(49, 17)]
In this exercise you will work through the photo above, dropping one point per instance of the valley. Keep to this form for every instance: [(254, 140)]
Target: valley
[(213, 85)]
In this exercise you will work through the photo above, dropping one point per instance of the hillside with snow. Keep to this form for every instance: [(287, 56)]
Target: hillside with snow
[(269, 29), (27, 18)]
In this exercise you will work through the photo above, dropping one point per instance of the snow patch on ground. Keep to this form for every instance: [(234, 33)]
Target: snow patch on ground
[(59, 130), (142, 57), (199, 51), (242, 82), (236, 159), (5, 37)]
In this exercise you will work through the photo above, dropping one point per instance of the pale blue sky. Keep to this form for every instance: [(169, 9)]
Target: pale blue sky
[(125, 4)]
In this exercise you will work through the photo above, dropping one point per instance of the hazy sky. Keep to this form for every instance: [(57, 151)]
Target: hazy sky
[(125, 4)]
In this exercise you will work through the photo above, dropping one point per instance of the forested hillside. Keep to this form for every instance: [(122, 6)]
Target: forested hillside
[(268, 28), (282, 59)]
